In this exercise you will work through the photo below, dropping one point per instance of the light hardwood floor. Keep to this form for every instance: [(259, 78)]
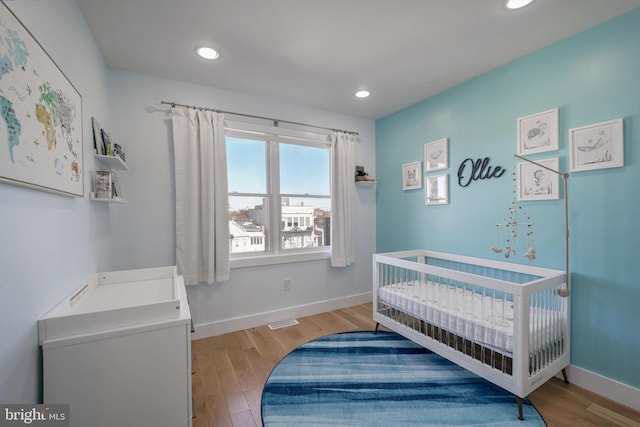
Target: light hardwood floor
[(231, 370)]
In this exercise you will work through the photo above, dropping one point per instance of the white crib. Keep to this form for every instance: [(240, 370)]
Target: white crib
[(506, 322)]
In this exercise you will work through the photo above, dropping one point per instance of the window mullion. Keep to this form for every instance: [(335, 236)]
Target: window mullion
[(306, 195), (235, 193), (275, 211)]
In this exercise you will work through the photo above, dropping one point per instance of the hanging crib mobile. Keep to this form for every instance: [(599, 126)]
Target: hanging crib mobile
[(511, 224), (516, 221)]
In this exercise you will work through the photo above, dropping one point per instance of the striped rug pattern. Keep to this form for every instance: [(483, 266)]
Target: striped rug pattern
[(383, 379)]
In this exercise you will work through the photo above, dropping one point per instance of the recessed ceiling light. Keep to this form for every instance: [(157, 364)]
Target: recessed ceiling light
[(362, 94), (207, 52), (517, 4)]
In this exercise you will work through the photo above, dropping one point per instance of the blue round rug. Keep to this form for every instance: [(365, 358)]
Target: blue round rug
[(383, 379)]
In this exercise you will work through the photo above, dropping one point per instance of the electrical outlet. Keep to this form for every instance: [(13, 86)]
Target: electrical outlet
[(287, 284)]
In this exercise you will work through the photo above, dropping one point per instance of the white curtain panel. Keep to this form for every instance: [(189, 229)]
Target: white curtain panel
[(202, 204), (343, 246)]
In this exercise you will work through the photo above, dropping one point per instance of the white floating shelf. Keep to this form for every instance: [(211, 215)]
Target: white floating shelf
[(92, 196), (113, 162)]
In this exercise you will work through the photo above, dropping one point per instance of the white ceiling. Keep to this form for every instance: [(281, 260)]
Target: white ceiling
[(317, 53)]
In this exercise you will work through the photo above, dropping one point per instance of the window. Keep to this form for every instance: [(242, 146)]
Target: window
[(279, 192)]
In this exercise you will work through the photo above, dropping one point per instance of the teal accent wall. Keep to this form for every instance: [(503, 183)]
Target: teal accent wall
[(591, 77)]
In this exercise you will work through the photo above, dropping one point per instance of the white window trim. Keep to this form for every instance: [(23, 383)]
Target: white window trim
[(242, 260), (277, 255), (244, 129)]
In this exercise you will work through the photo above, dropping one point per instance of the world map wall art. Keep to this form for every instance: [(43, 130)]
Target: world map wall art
[(40, 115)]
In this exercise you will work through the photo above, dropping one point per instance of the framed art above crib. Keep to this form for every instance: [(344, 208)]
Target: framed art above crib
[(40, 115), (537, 183), (412, 176), (436, 155), (597, 146), (436, 189), (538, 132)]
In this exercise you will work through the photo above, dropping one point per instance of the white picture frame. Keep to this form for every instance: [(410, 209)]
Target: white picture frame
[(98, 147), (117, 189), (597, 146), (436, 155), (412, 176), (538, 183), (538, 133), (436, 189), (103, 184)]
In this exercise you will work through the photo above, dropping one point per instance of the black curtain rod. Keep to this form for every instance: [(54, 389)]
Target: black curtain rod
[(275, 121)]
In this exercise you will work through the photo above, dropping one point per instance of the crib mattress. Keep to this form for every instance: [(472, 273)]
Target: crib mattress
[(480, 318)]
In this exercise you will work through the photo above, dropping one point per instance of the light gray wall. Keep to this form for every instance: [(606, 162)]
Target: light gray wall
[(144, 232), (49, 243)]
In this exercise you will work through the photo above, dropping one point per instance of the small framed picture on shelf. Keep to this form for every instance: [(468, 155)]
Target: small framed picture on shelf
[(538, 132), (538, 183), (118, 150), (103, 184), (117, 190), (435, 155), (436, 189), (97, 137), (106, 143), (412, 176), (597, 146)]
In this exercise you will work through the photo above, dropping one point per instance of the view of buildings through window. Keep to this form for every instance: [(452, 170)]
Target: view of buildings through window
[(298, 176)]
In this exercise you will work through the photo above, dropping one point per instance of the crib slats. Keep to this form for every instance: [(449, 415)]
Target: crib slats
[(547, 320)]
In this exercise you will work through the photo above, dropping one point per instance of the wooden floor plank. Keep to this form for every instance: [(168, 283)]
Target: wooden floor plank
[(261, 369), (245, 373), (229, 383), (611, 416), (209, 396), (270, 349), (244, 419), (231, 371), (254, 399)]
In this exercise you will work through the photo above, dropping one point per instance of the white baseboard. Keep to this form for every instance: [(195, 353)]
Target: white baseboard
[(606, 387), (204, 330)]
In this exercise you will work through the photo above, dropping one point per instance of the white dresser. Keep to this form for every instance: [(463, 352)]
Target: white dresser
[(118, 351)]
